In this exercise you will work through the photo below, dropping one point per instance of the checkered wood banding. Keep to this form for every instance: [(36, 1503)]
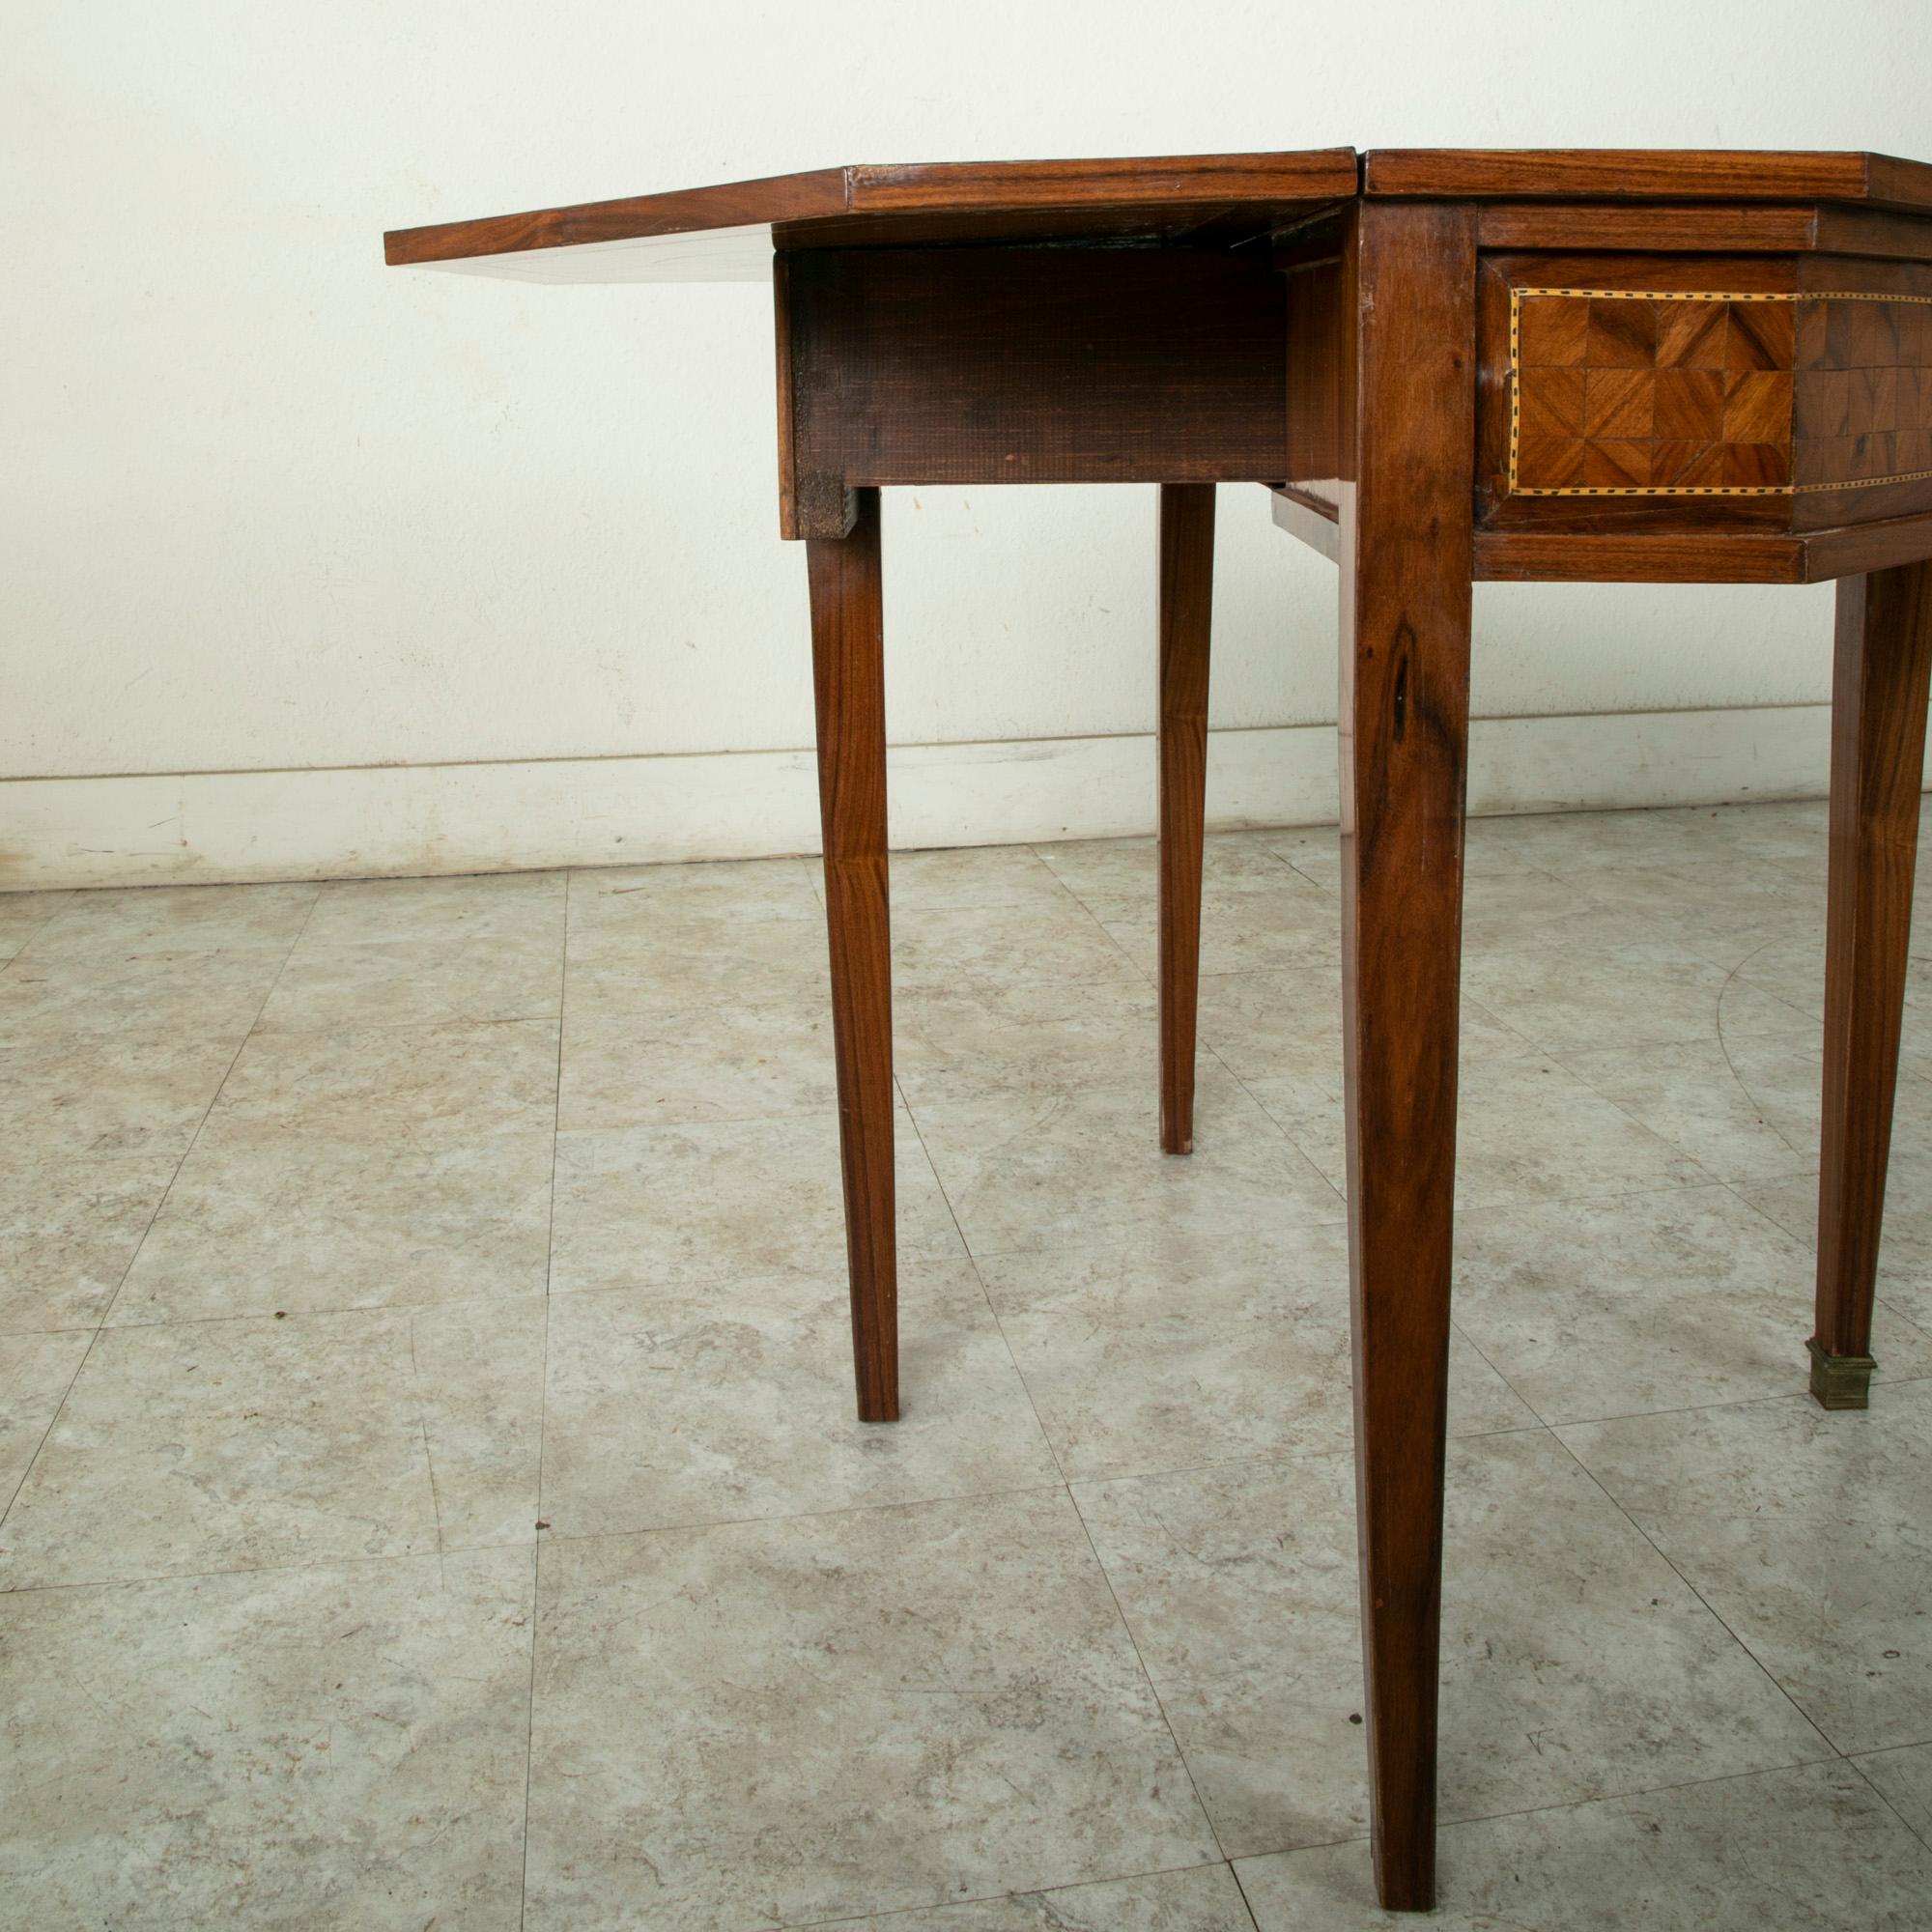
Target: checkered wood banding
[(1644, 392)]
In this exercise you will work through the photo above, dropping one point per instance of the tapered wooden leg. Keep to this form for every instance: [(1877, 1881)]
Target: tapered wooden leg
[(1884, 654), (1407, 561), (848, 675), (1186, 607)]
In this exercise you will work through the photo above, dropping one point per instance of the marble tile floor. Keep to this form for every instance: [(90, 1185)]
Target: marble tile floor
[(432, 1495)]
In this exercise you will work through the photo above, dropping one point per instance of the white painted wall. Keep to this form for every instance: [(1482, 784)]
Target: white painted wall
[(265, 504)]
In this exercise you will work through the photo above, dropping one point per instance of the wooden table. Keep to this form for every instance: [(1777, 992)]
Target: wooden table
[(1666, 367)]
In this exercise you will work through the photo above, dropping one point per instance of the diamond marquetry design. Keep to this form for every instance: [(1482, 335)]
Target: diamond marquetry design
[(1633, 392)]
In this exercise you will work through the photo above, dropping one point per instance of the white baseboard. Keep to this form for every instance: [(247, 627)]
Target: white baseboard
[(401, 820)]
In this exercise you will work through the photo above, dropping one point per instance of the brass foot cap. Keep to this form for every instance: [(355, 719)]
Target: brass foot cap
[(1840, 1381)]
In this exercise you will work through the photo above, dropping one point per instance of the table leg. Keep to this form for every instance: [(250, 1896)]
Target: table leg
[(1407, 561), (848, 675), (1884, 652), (1186, 604)]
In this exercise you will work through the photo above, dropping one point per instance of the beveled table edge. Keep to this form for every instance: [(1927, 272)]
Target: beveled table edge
[(1649, 174)]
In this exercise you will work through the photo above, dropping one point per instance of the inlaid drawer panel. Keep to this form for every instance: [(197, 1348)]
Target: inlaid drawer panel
[(1788, 392)]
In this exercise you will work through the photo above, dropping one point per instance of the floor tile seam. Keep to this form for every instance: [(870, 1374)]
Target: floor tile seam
[(1471, 1343), (71, 905), (305, 1567), (1880, 1295), (648, 1011), (1052, 1450), (909, 902), (245, 1142), (1120, 951), (543, 1415), (1561, 1057), (1556, 1047), (771, 1517), (1470, 1820), (1853, 1759), (1146, 1675), (1000, 1327), (277, 1030), (1797, 1396), (40, 925), (332, 1309), (1702, 1180), (1831, 1750), (160, 1204), (526, 935), (1208, 1465), (1724, 1048), (556, 1105), (1314, 1167), (994, 1897), (1248, 1904)]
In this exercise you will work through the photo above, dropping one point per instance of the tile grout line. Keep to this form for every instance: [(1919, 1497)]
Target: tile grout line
[(1233, 1865), (1797, 1393), (1707, 1181), (108, 1307), (1474, 1818), (194, 1140), (543, 1412), (1725, 1046), (429, 1459), (321, 1311), (695, 1526), (1880, 1298), (702, 1527), (1254, 1101), (1147, 979), (1067, 1488), (1247, 1903), (39, 927), (1471, 1343), (1154, 1689), (708, 1523), (1577, 1073), (328, 1564), (1910, 1320), (1855, 1760), (1803, 1716), (1557, 1058), (995, 1897)]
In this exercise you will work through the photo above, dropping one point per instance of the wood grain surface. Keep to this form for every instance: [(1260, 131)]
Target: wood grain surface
[(1656, 174), (848, 679), (902, 200), (1186, 602), (1882, 672), (1406, 563)]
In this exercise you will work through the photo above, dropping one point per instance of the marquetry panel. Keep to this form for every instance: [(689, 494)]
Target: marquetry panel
[(1864, 391), (1643, 393), (1702, 393)]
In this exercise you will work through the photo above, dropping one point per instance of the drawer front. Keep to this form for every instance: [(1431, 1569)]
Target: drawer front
[(1691, 393)]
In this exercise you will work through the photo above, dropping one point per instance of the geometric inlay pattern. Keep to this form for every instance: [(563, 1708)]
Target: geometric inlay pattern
[(1646, 392)]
